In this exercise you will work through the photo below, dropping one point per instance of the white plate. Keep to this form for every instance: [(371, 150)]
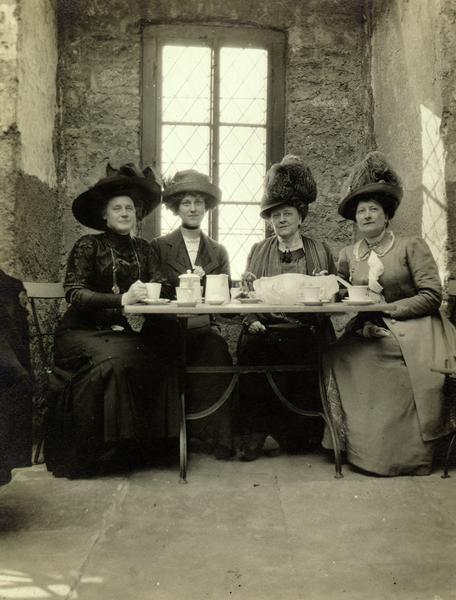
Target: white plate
[(214, 302), (358, 302), (157, 301)]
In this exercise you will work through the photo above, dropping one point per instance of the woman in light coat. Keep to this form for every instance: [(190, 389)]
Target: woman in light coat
[(392, 403)]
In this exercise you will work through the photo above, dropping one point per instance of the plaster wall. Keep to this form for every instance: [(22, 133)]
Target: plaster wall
[(38, 217), (8, 131), (327, 96), (30, 225), (409, 109), (448, 125), (37, 88)]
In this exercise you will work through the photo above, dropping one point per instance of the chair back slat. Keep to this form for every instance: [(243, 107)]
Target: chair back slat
[(43, 289)]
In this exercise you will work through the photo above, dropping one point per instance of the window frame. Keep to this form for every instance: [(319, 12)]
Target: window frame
[(154, 38)]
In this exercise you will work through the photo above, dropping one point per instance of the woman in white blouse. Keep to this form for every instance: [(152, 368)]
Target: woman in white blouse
[(189, 195)]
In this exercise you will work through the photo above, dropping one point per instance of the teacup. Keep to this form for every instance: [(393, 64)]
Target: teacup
[(153, 290), (184, 295), (358, 293), (309, 293)]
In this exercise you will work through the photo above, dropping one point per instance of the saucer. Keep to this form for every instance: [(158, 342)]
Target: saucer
[(214, 302), (249, 300), (316, 303), (184, 304), (358, 302), (155, 301)]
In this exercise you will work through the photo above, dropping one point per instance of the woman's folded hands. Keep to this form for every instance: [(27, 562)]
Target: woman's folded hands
[(256, 327), (371, 330)]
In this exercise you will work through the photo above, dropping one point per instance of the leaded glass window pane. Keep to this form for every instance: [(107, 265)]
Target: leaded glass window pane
[(186, 84), (243, 85)]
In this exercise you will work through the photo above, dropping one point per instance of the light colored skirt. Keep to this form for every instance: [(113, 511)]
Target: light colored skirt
[(372, 401)]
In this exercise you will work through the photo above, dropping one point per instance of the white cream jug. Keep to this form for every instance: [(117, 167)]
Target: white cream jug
[(217, 287)]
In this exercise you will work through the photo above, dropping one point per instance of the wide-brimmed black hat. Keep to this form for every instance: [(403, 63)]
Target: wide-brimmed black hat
[(288, 182), (372, 178), (143, 187), (191, 181)]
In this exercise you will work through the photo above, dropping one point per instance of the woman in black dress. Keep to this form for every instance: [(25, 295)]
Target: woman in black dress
[(114, 398), (277, 338)]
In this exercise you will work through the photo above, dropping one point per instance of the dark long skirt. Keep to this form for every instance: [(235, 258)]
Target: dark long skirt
[(16, 380), (116, 395), (260, 411), (207, 348), (204, 348)]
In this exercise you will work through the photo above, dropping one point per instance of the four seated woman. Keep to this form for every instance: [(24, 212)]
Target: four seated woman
[(391, 403)]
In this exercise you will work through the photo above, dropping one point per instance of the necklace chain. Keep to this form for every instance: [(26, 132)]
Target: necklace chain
[(115, 286)]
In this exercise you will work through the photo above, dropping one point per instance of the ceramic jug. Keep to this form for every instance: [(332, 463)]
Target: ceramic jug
[(217, 287), (191, 281)]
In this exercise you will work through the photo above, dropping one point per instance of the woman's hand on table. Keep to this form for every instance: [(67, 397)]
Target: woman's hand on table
[(256, 327), (394, 311), (136, 293)]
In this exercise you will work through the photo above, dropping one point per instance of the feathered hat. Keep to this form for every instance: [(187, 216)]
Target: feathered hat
[(372, 178), (187, 182), (288, 182), (143, 187)]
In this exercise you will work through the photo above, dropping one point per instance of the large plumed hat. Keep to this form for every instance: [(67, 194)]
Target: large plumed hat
[(288, 182), (191, 181), (372, 178), (143, 187)]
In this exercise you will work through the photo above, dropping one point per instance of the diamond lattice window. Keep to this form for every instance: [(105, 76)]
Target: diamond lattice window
[(213, 102)]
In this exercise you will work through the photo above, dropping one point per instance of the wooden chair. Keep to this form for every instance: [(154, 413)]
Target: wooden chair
[(36, 292)]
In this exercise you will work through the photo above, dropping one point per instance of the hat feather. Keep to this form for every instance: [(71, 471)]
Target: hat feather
[(374, 168), (291, 181)]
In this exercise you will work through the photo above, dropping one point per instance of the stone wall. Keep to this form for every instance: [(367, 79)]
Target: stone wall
[(30, 223), (448, 125), (9, 136), (327, 102), (413, 82), (38, 215)]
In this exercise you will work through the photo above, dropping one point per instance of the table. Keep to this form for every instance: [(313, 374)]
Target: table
[(236, 307)]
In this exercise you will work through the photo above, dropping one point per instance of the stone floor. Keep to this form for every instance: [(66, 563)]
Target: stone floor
[(277, 528)]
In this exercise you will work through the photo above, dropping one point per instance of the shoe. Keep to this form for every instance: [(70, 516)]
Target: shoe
[(252, 446), (223, 452)]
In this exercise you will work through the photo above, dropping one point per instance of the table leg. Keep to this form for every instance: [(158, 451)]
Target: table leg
[(448, 456), (183, 424), (324, 402)]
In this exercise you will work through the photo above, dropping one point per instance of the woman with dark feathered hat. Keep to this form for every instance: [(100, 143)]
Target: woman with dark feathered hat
[(268, 339), (114, 399), (392, 403)]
